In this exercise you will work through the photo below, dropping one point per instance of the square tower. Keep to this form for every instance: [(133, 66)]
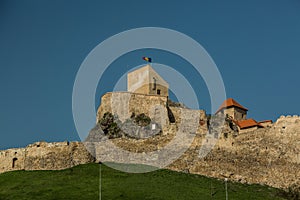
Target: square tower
[(146, 80)]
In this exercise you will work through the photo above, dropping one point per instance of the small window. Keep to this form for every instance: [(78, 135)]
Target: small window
[(158, 92)]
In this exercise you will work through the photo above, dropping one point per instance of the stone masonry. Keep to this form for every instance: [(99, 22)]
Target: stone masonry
[(269, 155), (45, 156)]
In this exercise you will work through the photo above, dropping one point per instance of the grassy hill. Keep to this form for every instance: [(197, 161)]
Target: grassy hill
[(82, 182)]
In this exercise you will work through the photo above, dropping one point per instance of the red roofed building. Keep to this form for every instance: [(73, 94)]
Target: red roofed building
[(238, 113), (247, 125), (233, 109)]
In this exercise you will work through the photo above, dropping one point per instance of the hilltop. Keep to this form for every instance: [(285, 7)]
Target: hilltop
[(137, 126)]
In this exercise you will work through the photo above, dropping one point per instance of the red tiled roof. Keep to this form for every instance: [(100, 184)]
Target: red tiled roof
[(247, 123), (230, 103)]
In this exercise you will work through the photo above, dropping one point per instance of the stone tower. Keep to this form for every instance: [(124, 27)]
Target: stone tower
[(146, 80)]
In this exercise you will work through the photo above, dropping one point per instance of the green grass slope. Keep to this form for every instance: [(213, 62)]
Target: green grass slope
[(82, 182)]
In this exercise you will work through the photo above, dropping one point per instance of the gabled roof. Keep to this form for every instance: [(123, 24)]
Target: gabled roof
[(231, 103), (247, 123)]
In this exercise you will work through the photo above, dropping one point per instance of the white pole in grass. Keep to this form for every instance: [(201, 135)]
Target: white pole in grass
[(100, 185), (226, 188)]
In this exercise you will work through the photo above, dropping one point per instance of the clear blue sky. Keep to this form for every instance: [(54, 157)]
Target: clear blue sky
[(255, 44)]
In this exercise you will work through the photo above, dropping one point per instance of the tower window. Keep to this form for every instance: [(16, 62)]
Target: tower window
[(158, 92)]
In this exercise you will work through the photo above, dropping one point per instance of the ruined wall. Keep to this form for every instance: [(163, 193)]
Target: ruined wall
[(268, 156), (45, 156), (245, 130), (267, 123), (12, 159), (180, 113), (125, 103)]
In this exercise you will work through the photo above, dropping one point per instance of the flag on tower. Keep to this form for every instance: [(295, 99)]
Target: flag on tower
[(147, 59)]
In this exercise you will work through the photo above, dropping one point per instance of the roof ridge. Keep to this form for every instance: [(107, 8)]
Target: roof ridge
[(230, 102)]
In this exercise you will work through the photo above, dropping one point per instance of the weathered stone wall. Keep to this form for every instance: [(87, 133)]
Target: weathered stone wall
[(12, 159), (180, 114), (45, 156), (235, 113), (268, 156), (245, 130), (266, 123), (124, 104)]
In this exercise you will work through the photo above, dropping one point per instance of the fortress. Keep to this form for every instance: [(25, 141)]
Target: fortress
[(247, 151)]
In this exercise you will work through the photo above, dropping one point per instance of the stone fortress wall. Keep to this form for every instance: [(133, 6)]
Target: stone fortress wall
[(123, 104), (268, 155), (44, 156)]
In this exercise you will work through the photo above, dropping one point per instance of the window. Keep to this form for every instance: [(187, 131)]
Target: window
[(158, 92)]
